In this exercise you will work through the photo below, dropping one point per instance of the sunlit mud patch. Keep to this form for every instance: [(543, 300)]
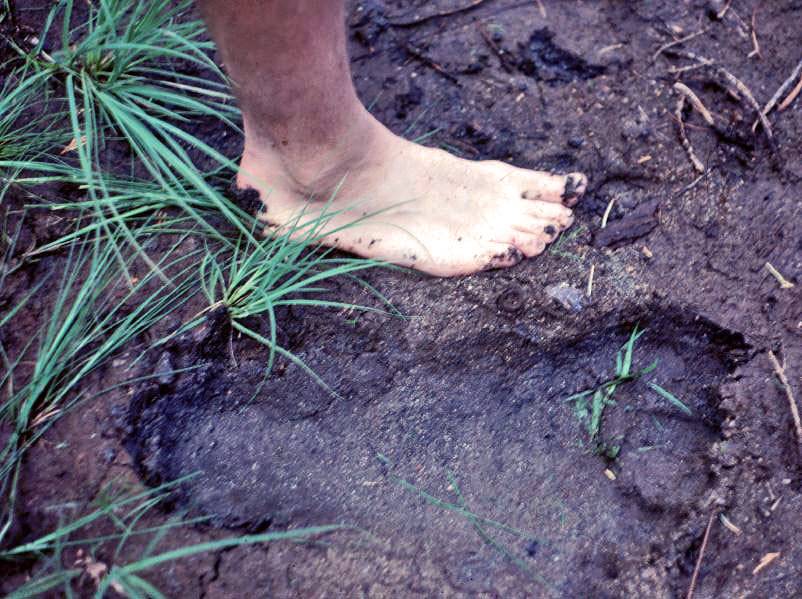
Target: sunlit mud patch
[(481, 425)]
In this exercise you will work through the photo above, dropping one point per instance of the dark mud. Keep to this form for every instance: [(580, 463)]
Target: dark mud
[(472, 384), (488, 410)]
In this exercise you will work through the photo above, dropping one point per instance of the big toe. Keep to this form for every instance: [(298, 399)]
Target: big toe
[(561, 189)]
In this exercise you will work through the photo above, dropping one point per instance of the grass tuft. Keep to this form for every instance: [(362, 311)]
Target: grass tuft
[(589, 405)]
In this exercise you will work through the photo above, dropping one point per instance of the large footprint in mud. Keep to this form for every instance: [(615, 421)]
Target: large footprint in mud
[(488, 411)]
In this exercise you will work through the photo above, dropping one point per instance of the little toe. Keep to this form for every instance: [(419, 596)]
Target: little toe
[(503, 257)]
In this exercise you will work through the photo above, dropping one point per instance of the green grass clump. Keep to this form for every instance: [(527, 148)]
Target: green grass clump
[(96, 311), (102, 555), (258, 277), (589, 405), (133, 77), (121, 77)]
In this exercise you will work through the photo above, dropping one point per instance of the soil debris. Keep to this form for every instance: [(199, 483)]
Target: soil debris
[(545, 61), (638, 223), (765, 561)]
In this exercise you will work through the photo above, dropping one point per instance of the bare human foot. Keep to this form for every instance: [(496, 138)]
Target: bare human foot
[(308, 136), (394, 200)]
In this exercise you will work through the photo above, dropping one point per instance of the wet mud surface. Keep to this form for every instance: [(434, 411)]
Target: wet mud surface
[(464, 398), (488, 410)]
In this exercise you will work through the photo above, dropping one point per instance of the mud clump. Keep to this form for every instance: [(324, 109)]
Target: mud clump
[(545, 61)]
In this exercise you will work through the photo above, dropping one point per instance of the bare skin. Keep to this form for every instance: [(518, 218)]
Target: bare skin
[(312, 148)]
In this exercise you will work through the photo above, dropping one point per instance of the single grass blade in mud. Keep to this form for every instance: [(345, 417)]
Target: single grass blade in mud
[(670, 397)]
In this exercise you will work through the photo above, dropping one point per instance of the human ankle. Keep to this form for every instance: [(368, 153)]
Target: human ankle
[(307, 167)]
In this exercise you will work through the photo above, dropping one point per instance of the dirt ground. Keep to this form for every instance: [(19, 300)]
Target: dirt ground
[(464, 398)]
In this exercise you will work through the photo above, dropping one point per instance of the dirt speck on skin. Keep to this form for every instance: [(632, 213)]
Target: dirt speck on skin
[(471, 387)]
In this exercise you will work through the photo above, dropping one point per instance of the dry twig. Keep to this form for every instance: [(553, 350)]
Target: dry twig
[(730, 526), (779, 370), (683, 137), (784, 283), (606, 214), (416, 53), (676, 42), (724, 10), (437, 15), (698, 566), (755, 45), (502, 55), (780, 91), (750, 99), (791, 97), (765, 561), (695, 102), (731, 80), (589, 290)]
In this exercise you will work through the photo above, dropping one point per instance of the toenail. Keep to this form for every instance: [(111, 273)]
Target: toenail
[(550, 230), (575, 185)]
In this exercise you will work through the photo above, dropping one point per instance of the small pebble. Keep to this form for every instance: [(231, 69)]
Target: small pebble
[(570, 298), (164, 369), (109, 453)]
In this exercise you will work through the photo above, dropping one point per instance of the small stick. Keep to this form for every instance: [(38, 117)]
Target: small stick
[(415, 53), (685, 69), (765, 561), (686, 144), (607, 213), (701, 61), (676, 42), (695, 102), (729, 525), (780, 91), (692, 586), (784, 283), (589, 290), (779, 370), (502, 56), (755, 45), (791, 97), (692, 184), (437, 15), (693, 56), (541, 8), (750, 99), (724, 10)]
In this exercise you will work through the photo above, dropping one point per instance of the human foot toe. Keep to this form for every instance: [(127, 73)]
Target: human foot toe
[(558, 189)]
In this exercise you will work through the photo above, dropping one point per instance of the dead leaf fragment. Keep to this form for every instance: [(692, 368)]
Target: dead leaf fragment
[(73, 145)]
